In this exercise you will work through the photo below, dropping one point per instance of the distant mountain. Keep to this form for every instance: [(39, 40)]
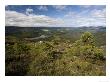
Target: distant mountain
[(47, 33)]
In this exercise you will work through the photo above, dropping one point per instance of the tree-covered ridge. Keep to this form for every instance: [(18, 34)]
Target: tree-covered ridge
[(55, 57)]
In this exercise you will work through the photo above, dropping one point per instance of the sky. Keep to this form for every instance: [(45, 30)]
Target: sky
[(55, 15)]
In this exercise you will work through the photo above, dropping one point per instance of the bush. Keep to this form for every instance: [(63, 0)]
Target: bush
[(87, 38), (55, 57)]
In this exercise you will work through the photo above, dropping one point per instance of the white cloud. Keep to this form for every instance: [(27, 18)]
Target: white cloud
[(42, 7), (98, 13), (94, 17), (29, 11), (86, 18), (14, 18), (72, 15), (60, 7)]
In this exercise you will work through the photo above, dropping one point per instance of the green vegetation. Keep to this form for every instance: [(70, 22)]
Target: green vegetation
[(56, 57)]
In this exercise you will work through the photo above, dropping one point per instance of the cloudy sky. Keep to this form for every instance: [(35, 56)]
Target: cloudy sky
[(55, 15)]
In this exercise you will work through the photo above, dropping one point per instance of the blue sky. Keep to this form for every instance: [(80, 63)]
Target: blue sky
[(55, 15)]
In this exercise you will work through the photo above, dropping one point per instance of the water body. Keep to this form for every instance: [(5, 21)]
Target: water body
[(36, 38)]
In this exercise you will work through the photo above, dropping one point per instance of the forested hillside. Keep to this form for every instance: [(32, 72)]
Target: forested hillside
[(55, 51)]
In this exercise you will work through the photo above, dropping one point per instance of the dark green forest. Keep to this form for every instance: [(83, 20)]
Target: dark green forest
[(42, 51)]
